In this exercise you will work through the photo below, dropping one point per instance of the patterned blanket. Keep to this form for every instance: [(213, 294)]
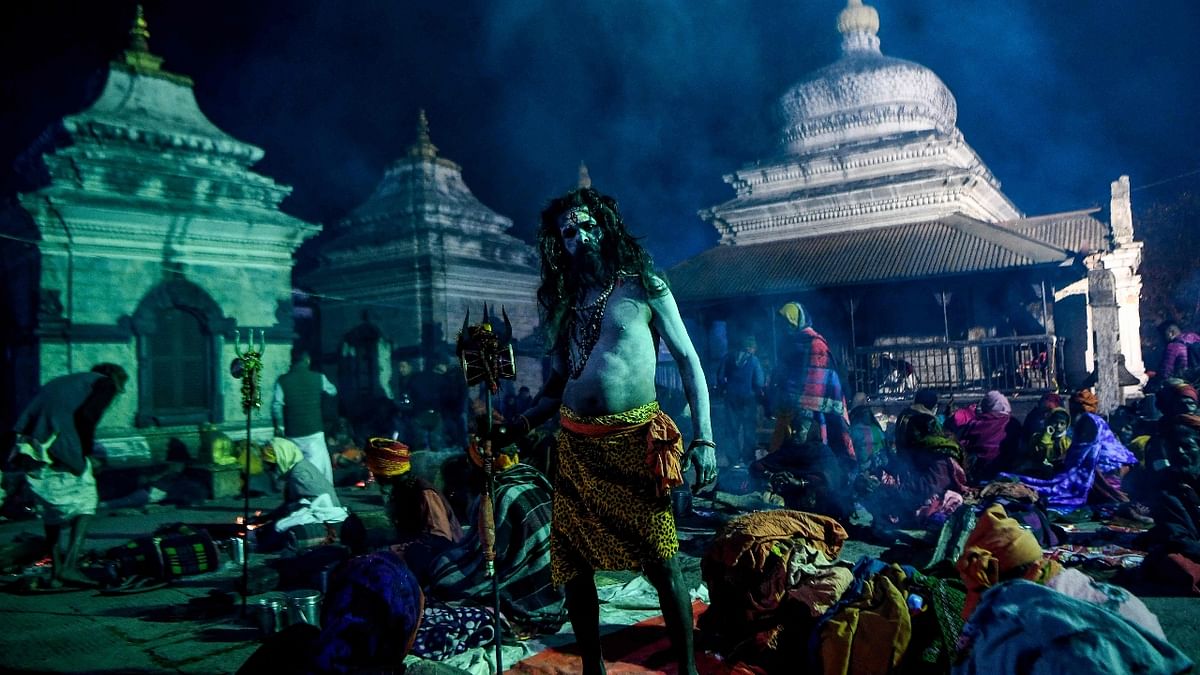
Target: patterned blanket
[(527, 596)]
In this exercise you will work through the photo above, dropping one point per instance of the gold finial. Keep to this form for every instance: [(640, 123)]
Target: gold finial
[(424, 147), (585, 180), (859, 26), (138, 56)]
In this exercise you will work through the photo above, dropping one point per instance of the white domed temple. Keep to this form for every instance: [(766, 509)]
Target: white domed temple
[(875, 211)]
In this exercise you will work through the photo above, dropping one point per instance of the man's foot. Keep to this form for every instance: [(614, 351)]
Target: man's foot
[(48, 584), (71, 576)]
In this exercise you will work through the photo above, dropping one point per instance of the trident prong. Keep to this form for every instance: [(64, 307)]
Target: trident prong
[(262, 339), (237, 342)]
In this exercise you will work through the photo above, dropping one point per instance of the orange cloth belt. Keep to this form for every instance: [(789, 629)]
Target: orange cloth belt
[(664, 443)]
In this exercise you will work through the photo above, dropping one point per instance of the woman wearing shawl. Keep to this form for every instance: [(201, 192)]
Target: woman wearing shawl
[(308, 496), (991, 441), (924, 479), (808, 391), (1095, 460)]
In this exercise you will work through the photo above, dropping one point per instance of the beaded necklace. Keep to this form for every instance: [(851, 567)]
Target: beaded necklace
[(584, 330)]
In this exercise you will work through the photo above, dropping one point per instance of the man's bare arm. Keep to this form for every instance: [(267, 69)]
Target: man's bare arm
[(669, 324), (546, 403)]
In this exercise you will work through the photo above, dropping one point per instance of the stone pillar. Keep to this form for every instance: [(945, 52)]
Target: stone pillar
[(1105, 334), (1124, 261)]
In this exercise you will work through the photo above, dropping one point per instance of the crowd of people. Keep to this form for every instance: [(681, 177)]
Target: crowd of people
[(974, 503)]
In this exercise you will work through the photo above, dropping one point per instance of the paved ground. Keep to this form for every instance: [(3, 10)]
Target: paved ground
[(176, 629)]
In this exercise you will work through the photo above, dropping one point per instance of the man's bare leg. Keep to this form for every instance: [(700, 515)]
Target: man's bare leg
[(676, 605), (75, 536), (55, 540), (583, 608)]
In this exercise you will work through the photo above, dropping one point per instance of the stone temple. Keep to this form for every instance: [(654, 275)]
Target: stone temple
[(873, 200), (150, 242), (396, 277)]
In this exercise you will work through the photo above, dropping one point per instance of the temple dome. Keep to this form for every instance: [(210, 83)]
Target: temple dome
[(864, 94)]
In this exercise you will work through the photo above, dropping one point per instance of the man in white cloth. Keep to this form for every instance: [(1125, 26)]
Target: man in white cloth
[(55, 435), (296, 411)]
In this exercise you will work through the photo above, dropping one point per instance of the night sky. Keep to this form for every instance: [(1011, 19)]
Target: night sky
[(661, 98)]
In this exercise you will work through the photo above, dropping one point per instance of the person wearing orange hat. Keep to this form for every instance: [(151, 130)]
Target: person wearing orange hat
[(423, 519)]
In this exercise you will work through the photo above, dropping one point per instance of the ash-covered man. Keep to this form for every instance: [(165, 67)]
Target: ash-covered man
[(55, 435), (619, 455)]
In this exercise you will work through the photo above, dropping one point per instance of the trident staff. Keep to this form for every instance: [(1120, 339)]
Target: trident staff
[(486, 357), (248, 366)]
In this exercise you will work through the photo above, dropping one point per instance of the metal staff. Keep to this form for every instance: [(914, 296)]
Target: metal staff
[(486, 357), (248, 367)]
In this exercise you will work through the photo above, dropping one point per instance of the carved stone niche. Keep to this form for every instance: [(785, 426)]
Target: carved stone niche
[(183, 295)]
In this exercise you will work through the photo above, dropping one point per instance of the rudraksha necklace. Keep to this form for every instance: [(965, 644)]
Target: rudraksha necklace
[(584, 331)]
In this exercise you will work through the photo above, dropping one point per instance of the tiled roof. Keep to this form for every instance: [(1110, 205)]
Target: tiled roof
[(950, 246), (1073, 230)]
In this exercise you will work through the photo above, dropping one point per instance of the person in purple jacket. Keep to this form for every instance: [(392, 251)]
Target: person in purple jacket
[(1175, 359)]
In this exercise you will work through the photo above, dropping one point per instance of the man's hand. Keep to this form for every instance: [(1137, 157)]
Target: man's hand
[(704, 458)]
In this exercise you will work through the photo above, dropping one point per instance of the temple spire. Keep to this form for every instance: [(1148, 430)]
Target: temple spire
[(138, 56), (424, 147), (859, 26), (585, 180)]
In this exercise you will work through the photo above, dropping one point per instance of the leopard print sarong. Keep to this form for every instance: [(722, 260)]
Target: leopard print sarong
[(609, 510)]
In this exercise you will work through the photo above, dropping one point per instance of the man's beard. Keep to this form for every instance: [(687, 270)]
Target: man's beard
[(588, 267)]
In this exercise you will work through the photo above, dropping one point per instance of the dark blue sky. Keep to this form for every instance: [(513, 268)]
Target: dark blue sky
[(659, 97)]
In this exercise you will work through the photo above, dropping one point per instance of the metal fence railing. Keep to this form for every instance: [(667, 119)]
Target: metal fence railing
[(1024, 364)]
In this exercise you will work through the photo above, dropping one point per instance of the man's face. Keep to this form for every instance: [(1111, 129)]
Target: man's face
[(579, 230), (1188, 405), (1058, 426)]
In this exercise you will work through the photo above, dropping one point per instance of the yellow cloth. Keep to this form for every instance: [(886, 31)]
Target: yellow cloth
[(608, 511), (793, 312), (502, 462), (997, 545), (1051, 448), (283, 453), (871, 634)]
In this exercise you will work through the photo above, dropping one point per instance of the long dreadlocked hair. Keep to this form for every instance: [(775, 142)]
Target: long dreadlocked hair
[(620, 253)]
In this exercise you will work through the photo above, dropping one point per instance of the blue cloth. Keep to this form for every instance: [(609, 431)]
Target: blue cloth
[(1094, 447), (1024, 628), (370, 615)]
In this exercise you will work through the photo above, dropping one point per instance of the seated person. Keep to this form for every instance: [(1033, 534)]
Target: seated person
[(424, 522), (1048, 446), (926, 473), (991, 441), (1001, 549), (369, 620), (807, 475), (1094, 464), (308, 496), (522, 507), (1173, 544)]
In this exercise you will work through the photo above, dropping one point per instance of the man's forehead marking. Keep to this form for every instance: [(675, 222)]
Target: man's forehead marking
[(577, 215)]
